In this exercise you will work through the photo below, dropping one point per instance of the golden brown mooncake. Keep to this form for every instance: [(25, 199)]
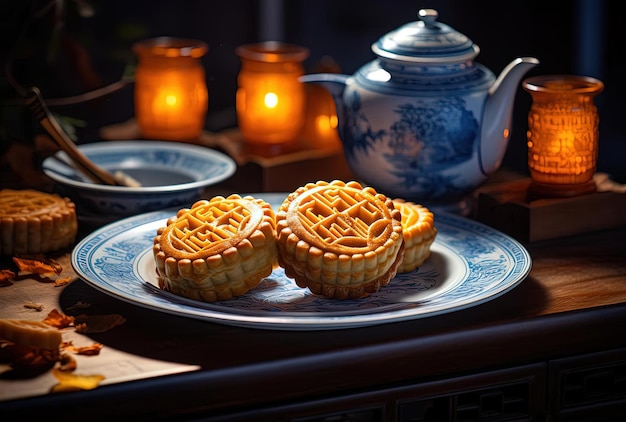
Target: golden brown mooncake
[(339, 239), (419, 232), (217, 249), (33, 222)]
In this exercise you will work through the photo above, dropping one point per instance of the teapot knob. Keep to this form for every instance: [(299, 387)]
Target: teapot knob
[(429, 16)]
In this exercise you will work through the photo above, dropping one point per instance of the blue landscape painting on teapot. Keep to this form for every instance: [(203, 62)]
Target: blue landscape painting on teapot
[(428, 137), (423, 121)]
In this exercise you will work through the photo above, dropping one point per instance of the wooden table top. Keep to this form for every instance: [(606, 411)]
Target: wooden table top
[(573, 302)]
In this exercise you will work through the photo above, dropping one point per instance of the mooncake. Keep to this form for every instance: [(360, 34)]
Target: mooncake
[(33, 222), (217, 249), (341, 240)]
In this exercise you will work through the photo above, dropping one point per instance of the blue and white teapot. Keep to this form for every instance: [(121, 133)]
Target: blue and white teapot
[(423, 121)]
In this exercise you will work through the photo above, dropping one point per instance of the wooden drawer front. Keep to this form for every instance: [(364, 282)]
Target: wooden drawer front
[(514, 394), (504, 402), (497, 403), (591, 387)]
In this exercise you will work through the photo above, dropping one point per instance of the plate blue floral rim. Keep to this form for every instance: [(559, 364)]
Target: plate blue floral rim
[(470, 264)]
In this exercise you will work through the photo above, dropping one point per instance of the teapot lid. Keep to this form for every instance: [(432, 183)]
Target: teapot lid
[(426, 41)]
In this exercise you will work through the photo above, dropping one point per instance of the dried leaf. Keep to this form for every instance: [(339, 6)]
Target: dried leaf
[(67, 363), (6, 276), (43, 267), (69, 381), (32, 305), (92, 350), (60, 282), (58, 320)]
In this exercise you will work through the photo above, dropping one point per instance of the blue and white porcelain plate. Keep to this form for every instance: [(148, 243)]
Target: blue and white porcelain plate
[(470, 264)]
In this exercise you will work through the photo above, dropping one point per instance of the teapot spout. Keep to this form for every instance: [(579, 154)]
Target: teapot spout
[(335, 84), (498, 113)]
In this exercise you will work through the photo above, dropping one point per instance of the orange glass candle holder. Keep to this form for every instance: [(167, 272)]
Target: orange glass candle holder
[(171, 94), (271, 101), (563, 133)]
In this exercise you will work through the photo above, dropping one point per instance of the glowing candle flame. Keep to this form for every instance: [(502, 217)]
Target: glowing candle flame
[(271, 100), (170, 100), (563, 129), (171, 95)]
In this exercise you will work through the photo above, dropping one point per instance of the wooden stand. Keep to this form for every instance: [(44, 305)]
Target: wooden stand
[(516, 209), (278, 168)]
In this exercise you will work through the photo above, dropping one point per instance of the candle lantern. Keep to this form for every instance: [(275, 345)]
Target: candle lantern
[(271, 102), (171, 95), (563, 132)]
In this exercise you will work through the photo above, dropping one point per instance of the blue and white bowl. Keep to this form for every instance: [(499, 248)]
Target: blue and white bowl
[(170, 173)]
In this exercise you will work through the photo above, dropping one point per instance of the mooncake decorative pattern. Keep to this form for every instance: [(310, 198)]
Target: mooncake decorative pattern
[(217, 249), (339, 239)]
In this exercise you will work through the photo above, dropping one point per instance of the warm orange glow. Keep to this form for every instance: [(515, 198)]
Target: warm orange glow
[(270, 107), (270, 102), (170, 100), (171, 97), (320, 128), (323, 123), (563, 129), (164, 98), (325, 126)]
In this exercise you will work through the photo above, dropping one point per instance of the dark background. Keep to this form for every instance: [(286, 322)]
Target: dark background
[(67, 54)]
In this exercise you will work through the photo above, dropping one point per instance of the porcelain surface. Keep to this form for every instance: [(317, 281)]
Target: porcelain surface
[(170, 174), (424, 121), (470, 264)]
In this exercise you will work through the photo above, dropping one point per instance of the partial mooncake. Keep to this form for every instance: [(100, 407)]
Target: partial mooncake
[(419, 232), (33, 222)]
